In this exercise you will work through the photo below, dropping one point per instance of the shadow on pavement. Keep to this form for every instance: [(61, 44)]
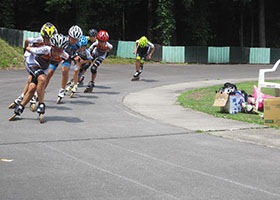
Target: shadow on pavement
[(110, 93), (80, 102), (63, 118), (149, 80), (102, 87), (58, 107)]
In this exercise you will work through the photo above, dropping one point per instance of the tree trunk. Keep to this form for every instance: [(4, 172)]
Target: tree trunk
[(241, 28), (149, 23), (123, 23), (262, 41), (252, 25)]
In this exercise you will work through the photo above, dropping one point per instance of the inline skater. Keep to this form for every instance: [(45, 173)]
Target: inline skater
[(91, 39), (47, 30), (83, 58), (99, 51), (74, 35), (143, 49), (37, 64)]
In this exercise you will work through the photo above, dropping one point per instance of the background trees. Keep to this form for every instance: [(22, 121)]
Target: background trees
[(251, 23)]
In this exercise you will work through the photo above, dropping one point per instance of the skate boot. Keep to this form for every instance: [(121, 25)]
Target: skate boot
[(141, 68), (136, 76), (73, 90), (70, 82), (41, 110), (69, 88), (89, 87), (16, 102), (18, 111), (33, 102), (60, 95), (81, 81)]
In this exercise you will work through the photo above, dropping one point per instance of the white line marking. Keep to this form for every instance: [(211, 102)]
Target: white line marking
[(109, 172), (195, 171)]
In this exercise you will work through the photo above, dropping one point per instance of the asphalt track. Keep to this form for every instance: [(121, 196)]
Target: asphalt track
[(95, 147)]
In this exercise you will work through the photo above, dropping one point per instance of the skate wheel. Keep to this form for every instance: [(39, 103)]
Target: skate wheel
[(12, 106), (58, 100), (41, 118), (71, 95), (12, 117), (33, 107), (135, 79), (87, 90)]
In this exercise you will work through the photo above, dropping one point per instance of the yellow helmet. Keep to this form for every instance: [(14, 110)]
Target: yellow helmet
[(48, 29), (143, 41)]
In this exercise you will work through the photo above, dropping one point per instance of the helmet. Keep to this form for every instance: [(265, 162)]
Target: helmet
[(103, 36), (59, 41), (83, 41), (75, 32), (92, 32), (47, 30), (143, 41)]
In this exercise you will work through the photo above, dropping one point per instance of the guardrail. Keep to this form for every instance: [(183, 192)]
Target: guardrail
[(172, 54)]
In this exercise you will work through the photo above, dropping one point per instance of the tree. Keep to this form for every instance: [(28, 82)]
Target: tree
[(262, 40), (7, 18), (165, 21)]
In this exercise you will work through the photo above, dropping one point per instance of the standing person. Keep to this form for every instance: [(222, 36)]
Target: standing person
[(47, 30), (74, 35), (83, 58), (143, 49), (37, 64), (99, 51)]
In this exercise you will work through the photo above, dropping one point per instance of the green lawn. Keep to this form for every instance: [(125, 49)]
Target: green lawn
[(10, 57), (202, 99)]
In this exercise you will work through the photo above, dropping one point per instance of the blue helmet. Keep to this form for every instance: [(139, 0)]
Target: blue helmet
[(83, 41)]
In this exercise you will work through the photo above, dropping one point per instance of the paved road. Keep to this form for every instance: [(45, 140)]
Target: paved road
[(95, 147)]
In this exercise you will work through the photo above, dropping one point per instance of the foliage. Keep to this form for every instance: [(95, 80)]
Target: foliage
[(166, 21)]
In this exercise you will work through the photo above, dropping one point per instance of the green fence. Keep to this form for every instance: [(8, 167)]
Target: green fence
[(29, 34), (259, 56), (194, 54), (218, 54), (125, 49), (173, 54)]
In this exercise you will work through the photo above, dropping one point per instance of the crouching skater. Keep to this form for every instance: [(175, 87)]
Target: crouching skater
[(37, 64)]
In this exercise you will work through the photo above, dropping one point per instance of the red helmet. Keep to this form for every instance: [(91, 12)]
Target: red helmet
[(103, 36)]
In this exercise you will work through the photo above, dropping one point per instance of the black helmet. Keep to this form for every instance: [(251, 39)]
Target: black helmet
[(92, 32)]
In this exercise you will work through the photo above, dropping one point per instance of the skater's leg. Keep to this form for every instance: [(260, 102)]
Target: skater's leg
[(137, 65), (30, 93), (76, 73), (65, 74), (41, 87), (49, 76)]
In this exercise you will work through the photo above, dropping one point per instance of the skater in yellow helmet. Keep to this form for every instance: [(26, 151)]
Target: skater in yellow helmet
[(143, 50)]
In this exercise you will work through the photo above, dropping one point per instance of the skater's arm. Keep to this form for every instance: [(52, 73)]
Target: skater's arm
[(152, 50), (136, 45)]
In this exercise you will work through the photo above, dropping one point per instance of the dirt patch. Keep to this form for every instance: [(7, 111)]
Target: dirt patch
[(195, 95)]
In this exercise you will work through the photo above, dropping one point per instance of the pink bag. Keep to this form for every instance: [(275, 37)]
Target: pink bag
[(262, 97)]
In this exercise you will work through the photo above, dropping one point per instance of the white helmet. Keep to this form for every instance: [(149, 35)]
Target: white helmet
[(59, 41), (75, 32)]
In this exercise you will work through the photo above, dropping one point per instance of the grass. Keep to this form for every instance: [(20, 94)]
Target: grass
[(10, 57), (202, 100)]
